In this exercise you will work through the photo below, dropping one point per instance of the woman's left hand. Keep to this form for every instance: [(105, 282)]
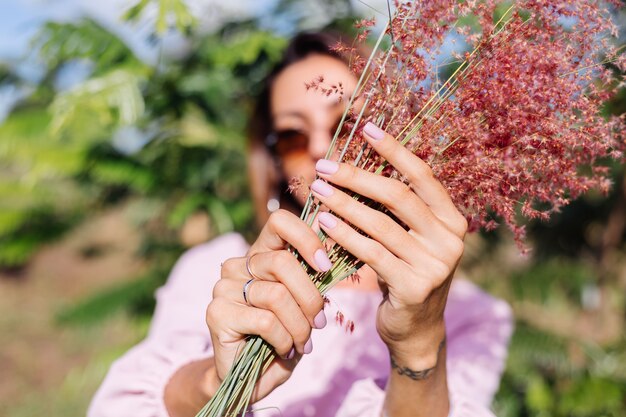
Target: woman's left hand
[(414, 266)]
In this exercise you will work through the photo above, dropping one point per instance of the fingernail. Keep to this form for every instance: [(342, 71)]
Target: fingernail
[(322, 188), (320, 320), (308, 346), (291, 354), (324, 166), (322, 261), (327, 220), (373, 131)]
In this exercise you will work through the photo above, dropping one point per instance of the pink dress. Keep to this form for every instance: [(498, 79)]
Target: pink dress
[(345, 374)]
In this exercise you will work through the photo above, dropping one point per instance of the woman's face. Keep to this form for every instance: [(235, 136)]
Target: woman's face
[(306, 120)]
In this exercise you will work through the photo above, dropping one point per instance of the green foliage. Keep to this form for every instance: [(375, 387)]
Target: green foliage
[(34, 172), (113, 99), (25, 231), (555, 280), (542, 380), (184, 21), (86, 40), (188, 119), (133, 297)]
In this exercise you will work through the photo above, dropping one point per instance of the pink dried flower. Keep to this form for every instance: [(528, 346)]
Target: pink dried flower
[(349, 326), (516, 132), (355, 278), (339, 318), (512, 132), (296, 185)]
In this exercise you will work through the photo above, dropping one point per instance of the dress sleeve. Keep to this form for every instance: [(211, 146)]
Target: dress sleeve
[(478, 329), (135, 383)]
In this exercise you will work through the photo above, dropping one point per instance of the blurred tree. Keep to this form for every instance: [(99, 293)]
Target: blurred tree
[(167, 139)]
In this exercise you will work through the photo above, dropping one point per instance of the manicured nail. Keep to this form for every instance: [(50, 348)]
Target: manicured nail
[(373, 131), (324, 166), (308, 346), (322, 188), (327, 220), (322, 261), (320, 320), (291, 354)]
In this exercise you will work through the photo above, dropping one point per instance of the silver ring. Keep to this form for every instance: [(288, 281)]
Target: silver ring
[(246, 288), (252, 274), (253, 277)]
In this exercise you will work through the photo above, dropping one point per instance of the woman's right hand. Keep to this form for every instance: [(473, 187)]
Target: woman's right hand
[(283, 304)]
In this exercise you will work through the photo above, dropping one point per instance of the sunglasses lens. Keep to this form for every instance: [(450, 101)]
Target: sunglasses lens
[(289, 141)]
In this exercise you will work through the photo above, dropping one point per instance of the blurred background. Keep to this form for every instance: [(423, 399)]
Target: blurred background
[(122, 139)]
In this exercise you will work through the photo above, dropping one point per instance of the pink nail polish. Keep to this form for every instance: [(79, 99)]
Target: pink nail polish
[(373, 131), (308, 346), (327, 220), (324, 166), (321, 188), (320, 320), (322, 261), (291, 354)]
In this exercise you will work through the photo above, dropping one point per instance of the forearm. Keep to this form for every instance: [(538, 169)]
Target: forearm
[(190, 388), (418, 389)]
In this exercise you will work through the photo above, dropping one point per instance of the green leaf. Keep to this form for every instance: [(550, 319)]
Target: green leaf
[(135, 11), (185, 208), (538, 396), (111, 100), (593, 397), (123, 173), (85, 40)]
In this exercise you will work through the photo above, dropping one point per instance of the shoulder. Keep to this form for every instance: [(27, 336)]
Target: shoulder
[(202, 262), (216, 250)]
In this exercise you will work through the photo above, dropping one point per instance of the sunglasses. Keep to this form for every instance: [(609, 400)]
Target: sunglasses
[(289, 141)]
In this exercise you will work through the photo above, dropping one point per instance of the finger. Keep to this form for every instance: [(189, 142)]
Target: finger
[(385, 230), (285, 228), (275, 297), (371, 252), (403, 283), (393, 194), (281, 266), (419, 175), (224, 318)]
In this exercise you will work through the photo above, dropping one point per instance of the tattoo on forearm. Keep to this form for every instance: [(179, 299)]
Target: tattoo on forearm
[(416, 375)]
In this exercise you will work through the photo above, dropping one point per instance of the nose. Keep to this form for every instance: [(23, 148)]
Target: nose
[(319, 142)]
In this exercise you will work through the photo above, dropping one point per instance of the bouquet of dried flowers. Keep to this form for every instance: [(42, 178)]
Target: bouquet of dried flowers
[(516, 131)]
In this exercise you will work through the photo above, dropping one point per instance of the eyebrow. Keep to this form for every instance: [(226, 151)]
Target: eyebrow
[(293, 113), (297, 113)]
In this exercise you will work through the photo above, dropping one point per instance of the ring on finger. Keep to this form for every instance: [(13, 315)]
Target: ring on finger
[(249, 268), (246, 291)]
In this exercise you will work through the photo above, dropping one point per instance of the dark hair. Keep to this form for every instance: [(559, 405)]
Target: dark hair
[(265, 179)]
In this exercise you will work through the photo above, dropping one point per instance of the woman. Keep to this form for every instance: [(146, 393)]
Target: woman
[(406, 356)]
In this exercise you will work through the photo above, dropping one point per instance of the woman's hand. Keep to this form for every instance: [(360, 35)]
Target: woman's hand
[(283, 304), (414, 266)]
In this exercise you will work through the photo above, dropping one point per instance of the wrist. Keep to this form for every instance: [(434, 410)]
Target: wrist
[(428, 386), (420, 352)]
